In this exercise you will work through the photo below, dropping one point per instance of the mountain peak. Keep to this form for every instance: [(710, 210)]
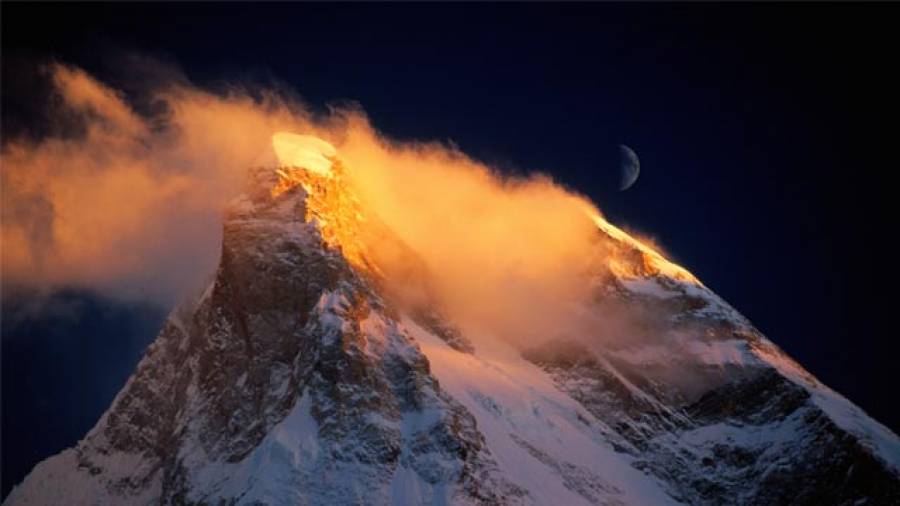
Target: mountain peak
[(306, 151), (298, 378), (310, 186)]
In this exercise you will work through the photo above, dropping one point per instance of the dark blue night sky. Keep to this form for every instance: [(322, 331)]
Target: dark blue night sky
[(767, 136)]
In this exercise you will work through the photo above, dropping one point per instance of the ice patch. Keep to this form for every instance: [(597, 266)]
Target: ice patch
[(304, 151)]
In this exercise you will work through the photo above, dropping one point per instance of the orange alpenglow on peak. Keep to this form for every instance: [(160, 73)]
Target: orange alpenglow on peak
[(306, 151), (312, 163)]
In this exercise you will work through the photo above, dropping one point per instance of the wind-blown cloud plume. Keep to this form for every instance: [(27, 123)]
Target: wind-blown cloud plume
[(132, 204), (506, 255)]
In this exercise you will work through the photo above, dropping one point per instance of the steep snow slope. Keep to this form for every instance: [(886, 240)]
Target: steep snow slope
[(294, 380), (714, 409), (540, 436)]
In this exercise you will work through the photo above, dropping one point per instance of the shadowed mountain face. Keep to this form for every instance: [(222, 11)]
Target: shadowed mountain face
[(296, 378)]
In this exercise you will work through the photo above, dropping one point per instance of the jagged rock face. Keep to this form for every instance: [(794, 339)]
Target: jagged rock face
[(286, 318), (760, 430), (295, 379)]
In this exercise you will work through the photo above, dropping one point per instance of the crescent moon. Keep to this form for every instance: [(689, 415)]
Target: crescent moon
[(629, 167)]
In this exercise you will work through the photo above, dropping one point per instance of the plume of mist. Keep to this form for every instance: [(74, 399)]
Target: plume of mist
[(507, 256), (131, 205)]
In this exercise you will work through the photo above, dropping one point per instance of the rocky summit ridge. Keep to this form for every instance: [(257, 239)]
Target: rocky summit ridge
[(296, 378)]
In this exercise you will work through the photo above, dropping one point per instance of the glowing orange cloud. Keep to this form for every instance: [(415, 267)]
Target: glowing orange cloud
[(132, 206)]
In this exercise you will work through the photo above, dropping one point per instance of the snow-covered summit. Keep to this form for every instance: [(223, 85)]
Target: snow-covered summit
[(295, 379), (307, 151)]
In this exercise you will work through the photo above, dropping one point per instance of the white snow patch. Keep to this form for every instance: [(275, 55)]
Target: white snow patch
[(304, 151), (512, 398), (883, 443), (649, 287), (880, 439), (273, 473), (60, 480), (329, 308)]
